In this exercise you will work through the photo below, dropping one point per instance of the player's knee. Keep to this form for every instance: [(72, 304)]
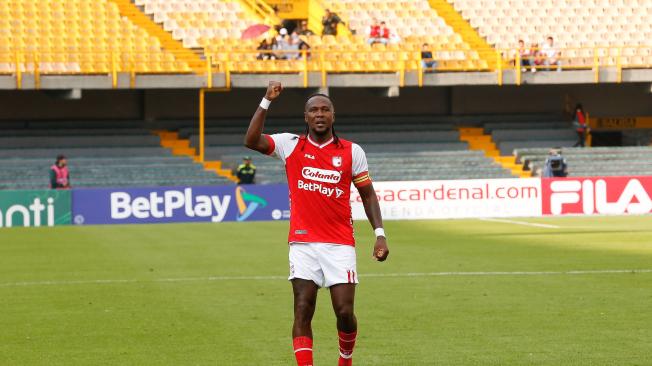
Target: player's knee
[(344, 312), (303, 311)]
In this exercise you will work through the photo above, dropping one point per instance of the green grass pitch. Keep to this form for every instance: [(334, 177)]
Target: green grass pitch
[(214, 294)]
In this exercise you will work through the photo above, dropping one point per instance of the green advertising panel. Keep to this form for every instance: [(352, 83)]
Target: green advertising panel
[(35, 208)]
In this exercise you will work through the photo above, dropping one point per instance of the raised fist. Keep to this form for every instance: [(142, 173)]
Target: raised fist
[(273, 90)]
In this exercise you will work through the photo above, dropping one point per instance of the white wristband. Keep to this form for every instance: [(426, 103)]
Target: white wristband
[(264, 104), (379, 232)]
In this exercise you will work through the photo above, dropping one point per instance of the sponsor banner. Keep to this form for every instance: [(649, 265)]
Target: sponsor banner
[(34, 208), (599, 195), (180, 204), (448, 199), (620, 123)]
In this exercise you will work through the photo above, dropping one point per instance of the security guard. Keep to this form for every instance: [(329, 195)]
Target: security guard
[(246, 171)]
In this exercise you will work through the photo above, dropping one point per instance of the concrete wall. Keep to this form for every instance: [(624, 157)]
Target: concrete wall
[(39, 105), (600, 100)]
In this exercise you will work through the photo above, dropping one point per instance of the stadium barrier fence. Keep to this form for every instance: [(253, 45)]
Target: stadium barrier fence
[(324, 61), (401, 200)]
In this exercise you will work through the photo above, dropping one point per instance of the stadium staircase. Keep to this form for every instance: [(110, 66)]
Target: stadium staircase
[(469, 35), (478, 140), (262, 10), (181, 147), (129, 10)]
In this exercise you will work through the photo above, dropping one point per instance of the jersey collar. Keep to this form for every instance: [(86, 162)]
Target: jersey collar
[(322, 145)]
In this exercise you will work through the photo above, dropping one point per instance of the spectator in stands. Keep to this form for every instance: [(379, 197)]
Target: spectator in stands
[(428, 63), (303, 29), (524, 54), (536, 58), (330, 21), (550, 54), (264, 46), (373, 32), (273, 45), (555, 165), (579, 122), (292, 45), (385, 33), (282, 43), (246, 171), (59, 176), (303, 46)]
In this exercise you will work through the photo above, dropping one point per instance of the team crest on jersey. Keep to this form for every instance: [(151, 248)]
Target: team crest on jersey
[(337, 161)]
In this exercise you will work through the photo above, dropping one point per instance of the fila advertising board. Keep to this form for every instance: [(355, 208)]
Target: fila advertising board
[(450, 199), (602, 195), (180, 204), (34, 208)]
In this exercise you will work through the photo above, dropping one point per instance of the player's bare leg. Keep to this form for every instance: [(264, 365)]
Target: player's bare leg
[(342, 297), (305, 300)]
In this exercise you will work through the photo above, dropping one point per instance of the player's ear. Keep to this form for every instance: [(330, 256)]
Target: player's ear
[(305, 116)]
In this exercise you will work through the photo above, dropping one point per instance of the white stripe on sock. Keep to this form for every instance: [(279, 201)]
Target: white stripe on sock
[(302, 349)]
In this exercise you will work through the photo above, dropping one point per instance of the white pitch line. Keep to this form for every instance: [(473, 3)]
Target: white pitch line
[(369, 275), (524, 223)]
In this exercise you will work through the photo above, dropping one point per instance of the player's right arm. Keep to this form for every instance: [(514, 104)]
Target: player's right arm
[(254, 138)]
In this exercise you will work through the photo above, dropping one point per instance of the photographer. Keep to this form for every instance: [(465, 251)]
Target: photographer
[(555, 165)]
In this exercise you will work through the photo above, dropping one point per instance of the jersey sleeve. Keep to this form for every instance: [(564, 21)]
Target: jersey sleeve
[(281, 145), (360, 167)]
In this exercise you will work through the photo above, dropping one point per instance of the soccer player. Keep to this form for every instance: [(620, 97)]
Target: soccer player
[(320, 168)]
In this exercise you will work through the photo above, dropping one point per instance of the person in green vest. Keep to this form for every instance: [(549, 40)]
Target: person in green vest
[(246, 171)]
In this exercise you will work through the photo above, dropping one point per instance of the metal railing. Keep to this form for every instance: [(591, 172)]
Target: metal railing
[(322, 61)]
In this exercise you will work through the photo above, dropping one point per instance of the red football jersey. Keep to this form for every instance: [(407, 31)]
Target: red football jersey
[(319, 179)]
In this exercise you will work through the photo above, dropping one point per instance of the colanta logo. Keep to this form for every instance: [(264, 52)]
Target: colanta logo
[(321, 175), (247, 203)]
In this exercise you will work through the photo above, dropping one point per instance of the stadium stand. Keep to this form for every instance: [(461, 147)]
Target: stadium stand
[(400, 148), (177, 36), (78, 36), (507, 139), (415, 22), (596, 161), (97, 157), (605, 28), (195, 22)]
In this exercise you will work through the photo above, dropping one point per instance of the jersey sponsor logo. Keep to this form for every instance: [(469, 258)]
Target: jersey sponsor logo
[(321, 175), (337, 161), (318, 187)]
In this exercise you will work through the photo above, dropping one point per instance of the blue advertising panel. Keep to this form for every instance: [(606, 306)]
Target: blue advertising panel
[(180, 204)]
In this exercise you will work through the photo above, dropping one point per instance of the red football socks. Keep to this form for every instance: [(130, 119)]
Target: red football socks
[(303, 350), (347, 342)]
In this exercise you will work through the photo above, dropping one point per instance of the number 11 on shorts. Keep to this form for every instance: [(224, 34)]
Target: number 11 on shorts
[(350, 275)]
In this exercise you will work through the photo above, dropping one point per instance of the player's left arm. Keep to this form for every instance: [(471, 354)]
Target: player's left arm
[(372, 209), (362, 181)]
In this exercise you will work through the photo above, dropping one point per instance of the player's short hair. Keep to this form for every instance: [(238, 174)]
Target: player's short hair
[(318, 95)]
